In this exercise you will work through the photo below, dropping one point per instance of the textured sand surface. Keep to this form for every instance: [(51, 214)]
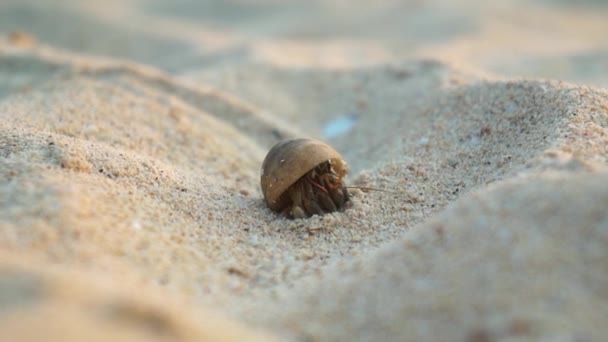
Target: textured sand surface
[(132, 135)]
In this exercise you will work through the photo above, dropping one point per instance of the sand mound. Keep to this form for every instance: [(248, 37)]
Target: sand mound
[(519, 259), (54, 305)]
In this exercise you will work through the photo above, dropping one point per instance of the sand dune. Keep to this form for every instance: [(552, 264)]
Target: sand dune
[(132, 135)]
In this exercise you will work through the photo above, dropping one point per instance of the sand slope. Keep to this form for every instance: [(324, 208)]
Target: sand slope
[(129, 173)]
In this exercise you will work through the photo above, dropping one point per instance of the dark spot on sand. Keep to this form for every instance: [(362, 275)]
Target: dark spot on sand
[(480, 335), (277, 134), (149, 319)]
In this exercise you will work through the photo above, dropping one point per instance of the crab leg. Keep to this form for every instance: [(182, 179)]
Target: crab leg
[(308, 200)]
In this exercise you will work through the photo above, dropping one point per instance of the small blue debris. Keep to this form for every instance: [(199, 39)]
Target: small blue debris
[(339, 126)]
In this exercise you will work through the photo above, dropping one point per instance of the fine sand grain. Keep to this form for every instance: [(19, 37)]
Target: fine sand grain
[(132, 135)]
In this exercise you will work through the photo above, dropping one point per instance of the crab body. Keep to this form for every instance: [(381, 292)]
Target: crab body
[(304, 177)]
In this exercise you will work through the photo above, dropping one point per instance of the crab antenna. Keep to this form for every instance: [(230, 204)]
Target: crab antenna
[(366, 188)]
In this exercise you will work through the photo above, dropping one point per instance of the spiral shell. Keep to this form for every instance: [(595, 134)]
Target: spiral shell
[(289, 161)]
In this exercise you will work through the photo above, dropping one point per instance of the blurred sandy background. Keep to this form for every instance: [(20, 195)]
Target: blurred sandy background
[(132, 135)]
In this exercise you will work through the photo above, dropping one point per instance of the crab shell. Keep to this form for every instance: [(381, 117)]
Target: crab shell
[(289, 160)]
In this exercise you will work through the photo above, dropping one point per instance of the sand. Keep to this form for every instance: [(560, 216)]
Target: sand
[(132, 135)]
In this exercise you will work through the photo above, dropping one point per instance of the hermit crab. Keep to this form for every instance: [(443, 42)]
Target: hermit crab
[(303, 177)]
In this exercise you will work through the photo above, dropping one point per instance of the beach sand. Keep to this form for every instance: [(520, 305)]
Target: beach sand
[(132, 135)]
